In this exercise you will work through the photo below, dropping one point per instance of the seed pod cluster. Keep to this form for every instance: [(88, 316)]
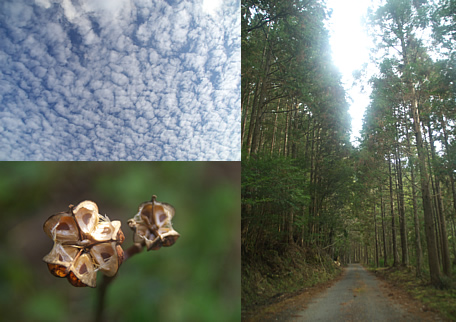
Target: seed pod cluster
[(85, 242), (152, 225)]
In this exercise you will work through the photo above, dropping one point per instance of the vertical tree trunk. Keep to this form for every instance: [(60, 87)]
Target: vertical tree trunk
[(418, 249), (446, 264), (287, 130), (258, 105), (274, 130), (294, 129), (401, 206), (306, 157), (290, 227), (426, 196), (253, 117), (382, 210), (452, 224), (450, 170), (376, 239), (312, 183), (393, 221), (245, 112)]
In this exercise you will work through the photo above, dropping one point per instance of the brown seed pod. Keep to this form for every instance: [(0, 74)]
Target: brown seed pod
[(152, 225), (84, 242)]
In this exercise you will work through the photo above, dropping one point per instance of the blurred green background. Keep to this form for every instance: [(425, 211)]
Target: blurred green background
[(197, 279)]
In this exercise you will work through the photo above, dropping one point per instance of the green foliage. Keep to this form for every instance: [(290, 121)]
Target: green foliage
[(267, 179), (444, 23)]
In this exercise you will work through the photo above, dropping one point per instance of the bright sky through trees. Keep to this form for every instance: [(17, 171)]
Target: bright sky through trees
[(350, 45)]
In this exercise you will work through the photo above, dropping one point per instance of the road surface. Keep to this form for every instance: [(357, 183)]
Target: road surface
[(356, 297)]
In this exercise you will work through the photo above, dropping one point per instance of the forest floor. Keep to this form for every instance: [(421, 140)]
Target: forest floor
[(272, 279), (359, 295), (408, 287)]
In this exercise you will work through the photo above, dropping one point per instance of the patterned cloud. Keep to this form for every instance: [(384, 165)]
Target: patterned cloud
[(119, 80)]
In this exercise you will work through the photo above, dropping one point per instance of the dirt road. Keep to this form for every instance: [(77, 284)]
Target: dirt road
[(356, 297)]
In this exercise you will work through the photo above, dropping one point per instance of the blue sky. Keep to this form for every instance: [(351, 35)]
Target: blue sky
[(120, 80)]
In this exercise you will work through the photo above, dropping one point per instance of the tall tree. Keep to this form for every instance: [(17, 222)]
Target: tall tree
[(295, 137), (397, 23)]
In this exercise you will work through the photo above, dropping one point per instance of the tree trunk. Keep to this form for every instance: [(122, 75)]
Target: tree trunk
[(393, 223), (294, 128), (418, 249), (287, 130), (450, 170), (290, 227), (258, 105), (385, 253), (376, 239), (274, 130), (245, 112), (400, 201), (426, 196), (446, 263)]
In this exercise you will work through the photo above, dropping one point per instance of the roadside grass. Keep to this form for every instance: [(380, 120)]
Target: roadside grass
[(270, 276), (438, 300)]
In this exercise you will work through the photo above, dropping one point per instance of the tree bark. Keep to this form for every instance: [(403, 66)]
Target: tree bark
[(376, 239), (446, 264), (258, 102), (287, 131), (274, 130), (450, 170), (245, 112), (426, 196), (419, 251), (393, 221), (382, 210), (401, 206), (416, 222)]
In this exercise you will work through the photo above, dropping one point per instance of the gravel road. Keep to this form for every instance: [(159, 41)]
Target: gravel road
[(356, 297)]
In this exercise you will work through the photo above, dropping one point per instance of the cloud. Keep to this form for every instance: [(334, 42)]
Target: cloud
[(119, 80), (212, 6)]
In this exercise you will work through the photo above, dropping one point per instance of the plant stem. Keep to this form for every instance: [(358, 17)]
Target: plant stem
[(101, 297), (133, 250)]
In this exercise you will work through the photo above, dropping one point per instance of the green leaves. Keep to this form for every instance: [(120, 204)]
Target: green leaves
[(268, 179)]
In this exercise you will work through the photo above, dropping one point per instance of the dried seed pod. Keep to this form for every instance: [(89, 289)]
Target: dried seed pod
[(86, 214), (152, 225), (106, 256), (62, 226), (120, 254), (84, 242)]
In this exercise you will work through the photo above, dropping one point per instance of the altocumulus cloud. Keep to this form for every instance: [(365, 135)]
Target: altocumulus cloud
[(120, 80)]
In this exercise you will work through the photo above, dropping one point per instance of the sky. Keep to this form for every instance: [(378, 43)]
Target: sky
[(120, 80), (351, 46)]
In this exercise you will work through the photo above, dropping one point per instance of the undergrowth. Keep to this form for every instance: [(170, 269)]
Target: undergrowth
[(438, 300), (269, 274)]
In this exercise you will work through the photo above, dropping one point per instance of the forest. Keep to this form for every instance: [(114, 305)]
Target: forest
[(387, 200)]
